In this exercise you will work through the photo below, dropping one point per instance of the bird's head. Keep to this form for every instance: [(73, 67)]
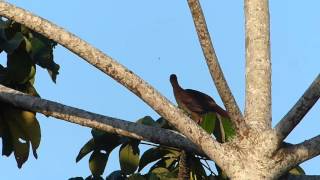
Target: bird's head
[(173, 79)]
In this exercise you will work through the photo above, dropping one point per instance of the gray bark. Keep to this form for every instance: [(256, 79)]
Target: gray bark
[(258, 65)]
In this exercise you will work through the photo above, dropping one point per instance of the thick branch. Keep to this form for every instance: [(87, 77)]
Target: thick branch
[(294, 155), (299, 110), (92, 120), (214, 67), (258, 65), (125, 77)]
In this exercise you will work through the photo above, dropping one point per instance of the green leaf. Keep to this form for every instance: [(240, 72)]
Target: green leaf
[(160, 170), (208, 123), (2, 125), (228, 129), (94, 178), (129, 158), (31, 127), (152, 155), (28, 44), (28, 88), (4, 23), (11, 45), (165, 162), (115, 175), (42, 54), (196, 168), (20, 67), (86, 149), (100, 141), (20, 143), (151, 176), (297, 171), (3, 75), (163, 123), (106, 141), (136, 177), (7, 143), (147, 120), (97, 133), (97, 162), (167, 176)]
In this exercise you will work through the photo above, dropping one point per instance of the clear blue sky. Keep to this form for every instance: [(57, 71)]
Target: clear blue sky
[(155, 39)]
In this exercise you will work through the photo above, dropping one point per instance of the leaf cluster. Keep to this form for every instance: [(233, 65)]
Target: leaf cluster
[(24, 49), (157, 162)]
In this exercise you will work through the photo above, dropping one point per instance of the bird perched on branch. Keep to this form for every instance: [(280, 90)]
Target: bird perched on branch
[(195, 103)]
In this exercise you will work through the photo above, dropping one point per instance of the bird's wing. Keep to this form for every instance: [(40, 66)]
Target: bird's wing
[(201, 100), (193, 101), (202, 103)]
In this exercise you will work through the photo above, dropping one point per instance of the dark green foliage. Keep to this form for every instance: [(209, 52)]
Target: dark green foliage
[(153, 154), (24, 49), (116, 175), (147, 120), (208, 122), (97, 162), (129, 157), (101, 146), (163, 161)]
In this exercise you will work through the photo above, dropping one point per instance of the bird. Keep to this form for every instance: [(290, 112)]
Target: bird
[(194, 102)]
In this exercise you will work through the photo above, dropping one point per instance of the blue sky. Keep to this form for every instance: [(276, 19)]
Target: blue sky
[(155, 39)]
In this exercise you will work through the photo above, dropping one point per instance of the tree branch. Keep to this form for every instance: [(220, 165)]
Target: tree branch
[(127, 78), (84, 118), (214, 67), (299, 110), (294, 155), (258, 65)]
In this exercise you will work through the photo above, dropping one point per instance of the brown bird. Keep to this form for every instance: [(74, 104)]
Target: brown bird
[(195, 103)]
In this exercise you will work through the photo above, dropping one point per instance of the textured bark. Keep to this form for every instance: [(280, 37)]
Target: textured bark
[(258, 65), (122, 75), (214, 67), (292, 156), (88, 119), (299, 110)]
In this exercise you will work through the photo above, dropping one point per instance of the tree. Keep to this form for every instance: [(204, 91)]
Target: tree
[(257, 150)]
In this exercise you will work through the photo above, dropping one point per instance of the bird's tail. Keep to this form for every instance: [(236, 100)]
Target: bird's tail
[(221, 111)]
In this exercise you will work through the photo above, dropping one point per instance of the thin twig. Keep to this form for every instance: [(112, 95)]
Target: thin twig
[(210, 168), (161, 145), (207, 166)]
